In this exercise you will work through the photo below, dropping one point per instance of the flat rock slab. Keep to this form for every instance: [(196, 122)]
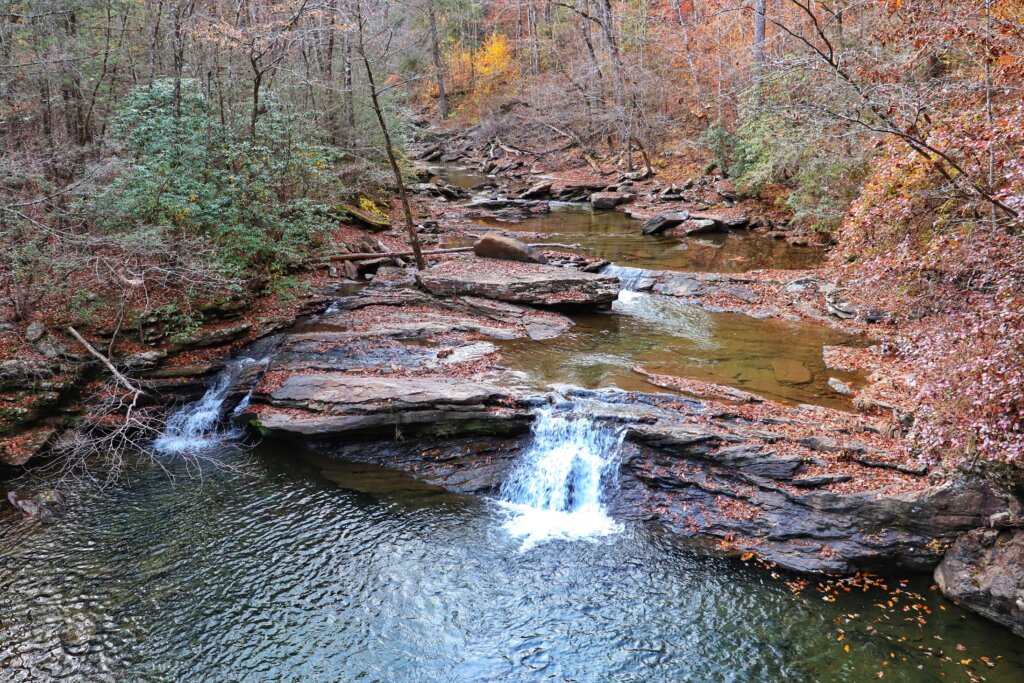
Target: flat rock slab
[(326, 404), (535, 284), (357, 391)]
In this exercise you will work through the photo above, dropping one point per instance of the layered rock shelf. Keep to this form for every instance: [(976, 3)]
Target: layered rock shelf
[(534, 284)]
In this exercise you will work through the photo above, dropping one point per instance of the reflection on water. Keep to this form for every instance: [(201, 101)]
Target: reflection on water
[(775, 359), (274, 572), (615, 236), (460, 176)]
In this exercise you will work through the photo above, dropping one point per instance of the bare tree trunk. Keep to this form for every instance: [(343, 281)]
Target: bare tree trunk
[(759, 10), (257, 81), (410, 226), (435, 52), (181, 12), (350, 97), (620, 83)]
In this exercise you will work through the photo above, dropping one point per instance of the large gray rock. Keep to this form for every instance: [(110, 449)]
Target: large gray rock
[(693, 226), (540, 285), (984, 571), (507, 249), (663, 222), (609, 200)]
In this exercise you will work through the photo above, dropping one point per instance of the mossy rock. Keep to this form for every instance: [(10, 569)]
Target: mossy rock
[(368, 219)]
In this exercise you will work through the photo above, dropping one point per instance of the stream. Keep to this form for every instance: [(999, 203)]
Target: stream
[(275, 564), (276, 567)]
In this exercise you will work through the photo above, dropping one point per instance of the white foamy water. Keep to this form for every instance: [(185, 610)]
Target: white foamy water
[(556, 490), (196, 426), (629, 278)]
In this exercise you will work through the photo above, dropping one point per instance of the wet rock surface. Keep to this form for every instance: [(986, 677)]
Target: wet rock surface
[(984, 571)]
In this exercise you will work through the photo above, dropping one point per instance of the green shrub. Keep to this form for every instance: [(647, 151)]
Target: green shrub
[(260, 204)]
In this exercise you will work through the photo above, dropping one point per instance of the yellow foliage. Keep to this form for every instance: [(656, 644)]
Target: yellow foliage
[(475, 74), (495, 57)]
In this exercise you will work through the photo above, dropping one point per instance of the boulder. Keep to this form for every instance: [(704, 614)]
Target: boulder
[(984, 571), (609, 200), (35, 332), (536, 284), (537, 191), (840, 387), (663, 221), (508, 249), (366, 219)]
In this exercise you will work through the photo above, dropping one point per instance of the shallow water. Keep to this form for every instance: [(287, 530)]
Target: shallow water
[(281, 570), (615, 236), (776, 359)]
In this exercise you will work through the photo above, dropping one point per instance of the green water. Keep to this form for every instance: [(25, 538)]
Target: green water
[(776, 359), (272, 567), (614, 236)]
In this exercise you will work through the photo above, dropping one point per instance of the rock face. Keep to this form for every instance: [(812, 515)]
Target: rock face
[(508, 249), (713, 487), (984, 571), (539, 285), (338, 403)]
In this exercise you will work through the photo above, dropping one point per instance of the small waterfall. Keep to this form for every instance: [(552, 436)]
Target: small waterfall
[(629, 278), (556, 490), (196, 426)]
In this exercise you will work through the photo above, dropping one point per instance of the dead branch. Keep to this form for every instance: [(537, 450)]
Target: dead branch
[(121, 379)]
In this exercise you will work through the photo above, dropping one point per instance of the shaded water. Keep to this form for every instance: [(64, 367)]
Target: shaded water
[(279, 570), (776, 359), (615, 236)]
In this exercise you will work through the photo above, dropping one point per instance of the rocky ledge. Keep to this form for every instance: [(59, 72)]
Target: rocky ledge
[(811, 489), (524, 283), (984, 572), (394, 358)]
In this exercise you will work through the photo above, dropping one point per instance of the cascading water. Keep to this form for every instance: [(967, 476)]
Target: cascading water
[(556, 490), (195, 426), (629, 278)]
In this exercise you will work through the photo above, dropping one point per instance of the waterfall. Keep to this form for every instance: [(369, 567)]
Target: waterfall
[(629, 278), (196, 426), (556, 490)]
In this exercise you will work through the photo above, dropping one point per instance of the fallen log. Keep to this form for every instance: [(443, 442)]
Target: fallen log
[(390, 254), (432, 252)]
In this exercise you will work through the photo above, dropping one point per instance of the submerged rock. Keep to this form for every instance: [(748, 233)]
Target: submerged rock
[(540, 285)]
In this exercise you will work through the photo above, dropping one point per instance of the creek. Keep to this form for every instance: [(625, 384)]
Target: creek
[(274, 564), (276, 567)]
